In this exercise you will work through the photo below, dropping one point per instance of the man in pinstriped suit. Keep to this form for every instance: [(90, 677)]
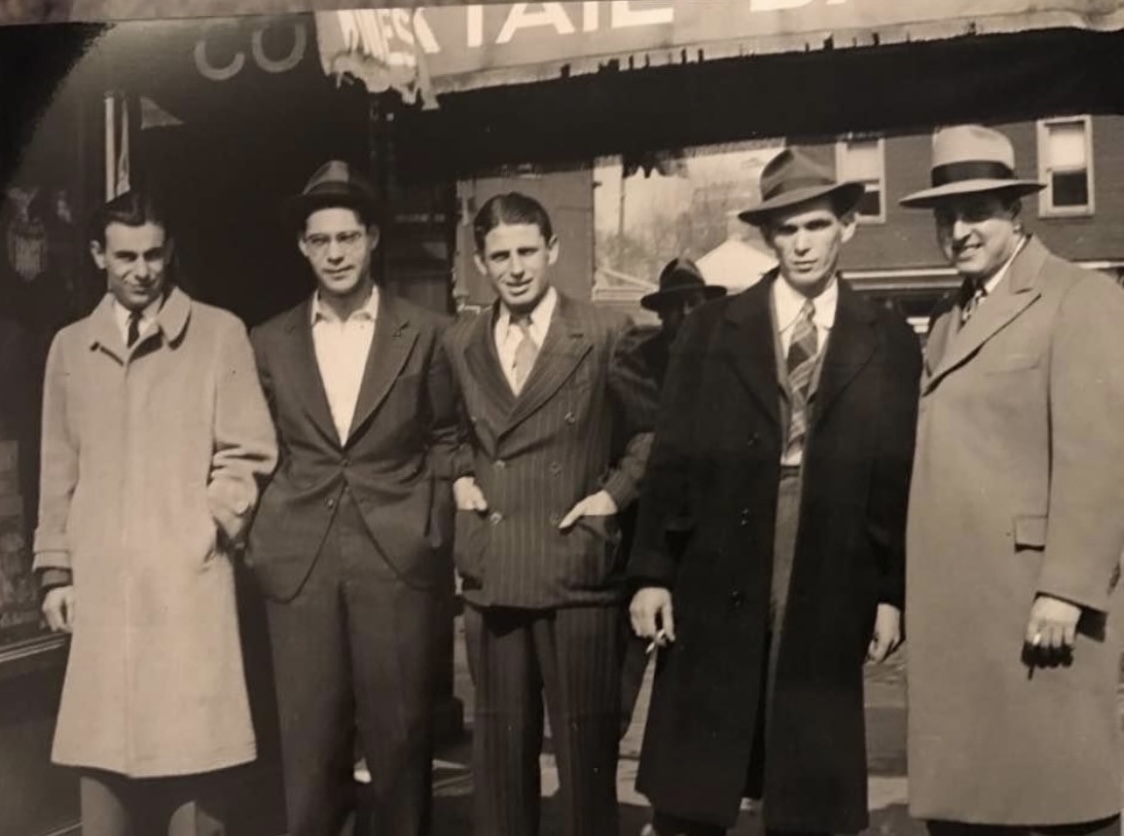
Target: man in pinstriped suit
[(544, 381)]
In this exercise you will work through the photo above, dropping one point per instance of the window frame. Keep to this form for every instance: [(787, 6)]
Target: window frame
[(841, 150), (1046, 206)]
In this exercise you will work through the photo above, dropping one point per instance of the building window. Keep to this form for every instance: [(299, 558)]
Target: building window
[(863, 160), (1065, 165)]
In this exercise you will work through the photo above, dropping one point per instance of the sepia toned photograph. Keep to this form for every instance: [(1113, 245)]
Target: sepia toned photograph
[(582, 418)]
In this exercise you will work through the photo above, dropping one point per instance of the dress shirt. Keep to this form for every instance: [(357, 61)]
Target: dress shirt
[(992, 283), (508, 335), (147, 320), (787, 303), (342, 348)]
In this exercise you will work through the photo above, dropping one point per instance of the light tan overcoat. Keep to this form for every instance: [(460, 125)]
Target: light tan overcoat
[(149, 470), (1018, 488)]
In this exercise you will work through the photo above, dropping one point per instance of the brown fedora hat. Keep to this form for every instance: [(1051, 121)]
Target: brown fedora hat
[(792, 178), (334, 184), (970, 159), (680, 277)]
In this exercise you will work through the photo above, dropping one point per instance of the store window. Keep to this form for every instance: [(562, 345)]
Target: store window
[(863, 160), (1065, 165)]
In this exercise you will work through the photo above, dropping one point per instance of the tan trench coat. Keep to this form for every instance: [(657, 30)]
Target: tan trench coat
[(1018, 487), (149, 468)]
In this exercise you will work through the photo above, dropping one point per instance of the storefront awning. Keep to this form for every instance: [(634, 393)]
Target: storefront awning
[(481, 45)]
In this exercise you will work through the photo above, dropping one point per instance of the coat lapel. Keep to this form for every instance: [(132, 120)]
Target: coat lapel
[(749, 339), (390, 349), (302, 362), (564, 347), (483, 363), (849, 349), (1015, 293)]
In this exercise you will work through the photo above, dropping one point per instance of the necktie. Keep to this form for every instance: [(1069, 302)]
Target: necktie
[(801, 362), (525, 352), (134, 328), (971, 295)]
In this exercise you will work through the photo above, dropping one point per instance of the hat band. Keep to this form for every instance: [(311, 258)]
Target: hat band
[(971, 170), (792, 184)]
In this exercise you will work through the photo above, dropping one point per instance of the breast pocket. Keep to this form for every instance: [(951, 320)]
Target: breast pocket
[(1008, 362)]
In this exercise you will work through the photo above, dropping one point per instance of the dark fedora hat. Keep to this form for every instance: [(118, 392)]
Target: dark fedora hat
[(792, 178), (680, 277), (334, 184), (970, 159)]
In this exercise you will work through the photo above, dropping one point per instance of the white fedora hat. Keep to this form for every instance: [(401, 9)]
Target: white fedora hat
[(969, 159)]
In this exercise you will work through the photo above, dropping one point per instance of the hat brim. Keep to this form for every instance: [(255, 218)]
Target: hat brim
[(662, 298), (846, 196), (296, 209), (928, 198)]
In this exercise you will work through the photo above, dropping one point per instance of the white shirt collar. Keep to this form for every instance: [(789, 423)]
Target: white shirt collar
[(789, 302), (322, 312), (540, 317), (992, 283), (148, 316)]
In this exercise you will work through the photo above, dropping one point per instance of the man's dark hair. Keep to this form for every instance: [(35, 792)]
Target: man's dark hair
[(511, 208), (133, 208)]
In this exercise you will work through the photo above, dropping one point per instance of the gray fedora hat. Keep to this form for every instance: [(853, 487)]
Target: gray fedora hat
[(792, 178), (970, 159), (334, 184)]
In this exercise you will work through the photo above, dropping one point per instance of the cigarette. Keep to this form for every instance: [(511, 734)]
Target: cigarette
[(660, 636)]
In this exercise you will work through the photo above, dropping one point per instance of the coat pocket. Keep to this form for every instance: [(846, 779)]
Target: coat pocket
[(1030, 532), (1011, 362), (469, 533)]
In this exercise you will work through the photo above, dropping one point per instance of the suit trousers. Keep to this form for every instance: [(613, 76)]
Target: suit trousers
[(573, 655), (356, 647), (117, 805)]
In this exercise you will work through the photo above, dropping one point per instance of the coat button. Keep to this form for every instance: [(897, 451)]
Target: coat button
[(500, 464), (331, 503), (570, 418), (743, 520), (737, 598), (555, 468), (554, 519), (345, 462), (495, 518)]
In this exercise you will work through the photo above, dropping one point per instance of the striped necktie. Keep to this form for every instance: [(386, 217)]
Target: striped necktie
[(801, 363), (972, 293), (525, 353)]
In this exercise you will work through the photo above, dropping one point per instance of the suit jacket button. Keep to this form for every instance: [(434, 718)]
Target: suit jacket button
[(495, 518), (500, 464), (570, 418), (554, 519), (345, 463), (737, 598), (331, 503), (555, 468)]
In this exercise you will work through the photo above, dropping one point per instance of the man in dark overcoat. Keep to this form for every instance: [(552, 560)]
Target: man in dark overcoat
[(770, 543)]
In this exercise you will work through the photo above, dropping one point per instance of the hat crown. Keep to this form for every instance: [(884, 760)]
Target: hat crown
[(790, 170), (972, 144), (337, 176), (681, 274)]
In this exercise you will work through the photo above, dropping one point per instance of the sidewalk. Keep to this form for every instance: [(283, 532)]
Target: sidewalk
[(885, 701)]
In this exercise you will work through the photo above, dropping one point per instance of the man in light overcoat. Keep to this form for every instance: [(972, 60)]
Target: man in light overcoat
[(1015, 526), (155, 436)]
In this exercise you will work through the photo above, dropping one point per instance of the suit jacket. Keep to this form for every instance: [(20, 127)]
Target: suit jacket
[(1018, 489), (706, 530), (537, 454), (396, 461)]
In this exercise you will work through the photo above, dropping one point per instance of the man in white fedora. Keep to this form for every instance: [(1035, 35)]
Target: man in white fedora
[(1015, 530)]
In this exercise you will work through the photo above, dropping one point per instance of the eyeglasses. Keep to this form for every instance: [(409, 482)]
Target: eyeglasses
[(318, 242)]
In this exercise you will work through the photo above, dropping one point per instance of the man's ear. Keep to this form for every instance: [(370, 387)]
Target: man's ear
[(375, 234), (302, 246), (850, 223), (169, 249), (552, 250), (478, 260), (98, 253)]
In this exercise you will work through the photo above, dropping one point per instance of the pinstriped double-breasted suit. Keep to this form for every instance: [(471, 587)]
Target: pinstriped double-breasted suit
[(544, 604)]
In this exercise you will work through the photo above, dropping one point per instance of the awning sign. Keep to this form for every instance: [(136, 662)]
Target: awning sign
[(379, 47)]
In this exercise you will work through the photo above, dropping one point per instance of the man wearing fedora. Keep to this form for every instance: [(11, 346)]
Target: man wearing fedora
[(350, 543), (1015, 530), (681, 289), (770, 544)]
